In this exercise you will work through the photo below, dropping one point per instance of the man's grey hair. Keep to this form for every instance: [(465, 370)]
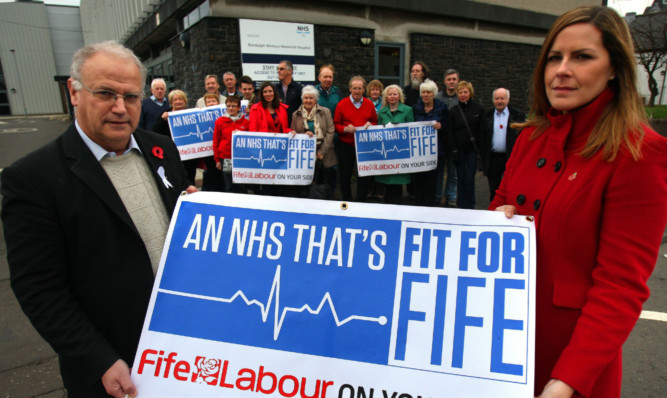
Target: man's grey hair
[(493, 94), (110, 47), (158, 80), (288, 64), (228, 73), (310, 90), (211, 76), (451, 72)]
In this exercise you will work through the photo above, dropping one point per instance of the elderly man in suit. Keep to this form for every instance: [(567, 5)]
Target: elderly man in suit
[(85, 220), (498, 137)]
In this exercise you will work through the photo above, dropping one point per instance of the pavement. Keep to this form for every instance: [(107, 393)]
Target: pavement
[(29, 367)]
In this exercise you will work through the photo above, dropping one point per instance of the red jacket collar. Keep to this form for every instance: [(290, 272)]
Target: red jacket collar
[(572, 129)]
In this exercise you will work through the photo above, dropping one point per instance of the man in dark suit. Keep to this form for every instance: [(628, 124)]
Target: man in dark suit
[(498, 137), (288, 90), (85, 219)]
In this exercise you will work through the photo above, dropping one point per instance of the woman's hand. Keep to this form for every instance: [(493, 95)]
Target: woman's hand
[(320, 156), (349, 129), (218, 165), (556, 389), (310, 133), (165, 115), (367, 125), (509, 211), (437, 126), (293, 133)]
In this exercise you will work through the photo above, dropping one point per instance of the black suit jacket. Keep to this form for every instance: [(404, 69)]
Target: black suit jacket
[(293, 99), (78, 266), (486, 130)]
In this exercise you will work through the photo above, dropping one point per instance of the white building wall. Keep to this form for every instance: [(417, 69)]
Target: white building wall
[(642, 84), (30, 69)]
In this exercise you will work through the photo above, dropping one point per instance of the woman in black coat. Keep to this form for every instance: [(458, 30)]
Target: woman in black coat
[(463, 133)]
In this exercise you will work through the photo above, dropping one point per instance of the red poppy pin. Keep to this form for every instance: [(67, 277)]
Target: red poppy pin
[(158, 152)]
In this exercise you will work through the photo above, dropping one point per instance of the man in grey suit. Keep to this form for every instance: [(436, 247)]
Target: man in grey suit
[(85, 219)]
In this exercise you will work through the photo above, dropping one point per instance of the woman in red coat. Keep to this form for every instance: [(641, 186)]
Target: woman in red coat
[(594, 176), (269, 115), (225, 126)]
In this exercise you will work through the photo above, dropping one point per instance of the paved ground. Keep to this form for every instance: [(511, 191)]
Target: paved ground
[(29, 368)]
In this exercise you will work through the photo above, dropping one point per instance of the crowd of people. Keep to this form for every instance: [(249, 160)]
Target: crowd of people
[(466, 132), (85, 217)]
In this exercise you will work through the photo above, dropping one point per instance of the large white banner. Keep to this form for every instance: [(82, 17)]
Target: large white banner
[(265, 43), (396, 149), (265, 296)]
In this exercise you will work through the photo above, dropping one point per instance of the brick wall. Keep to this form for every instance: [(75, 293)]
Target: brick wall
[(342, 48), (484, 63), (214, 49)]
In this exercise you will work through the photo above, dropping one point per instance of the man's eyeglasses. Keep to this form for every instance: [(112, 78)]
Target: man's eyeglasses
[(108, 95)]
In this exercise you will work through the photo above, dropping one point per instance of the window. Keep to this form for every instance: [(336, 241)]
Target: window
[(389, 61)]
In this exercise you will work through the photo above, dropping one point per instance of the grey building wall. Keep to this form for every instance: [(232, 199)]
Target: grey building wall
[(30, 69), (66, 35)]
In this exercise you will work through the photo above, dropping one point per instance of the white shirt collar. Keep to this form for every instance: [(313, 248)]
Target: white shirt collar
[(100, 152)]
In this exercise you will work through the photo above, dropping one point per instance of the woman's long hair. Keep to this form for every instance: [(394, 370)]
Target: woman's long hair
[(620, 124), (275, 104)]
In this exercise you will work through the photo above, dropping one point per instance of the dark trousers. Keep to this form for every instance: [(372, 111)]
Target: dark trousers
[(346, 166), (424, 187), (466, 169), (212, 180), (495, 172), (393, 194)]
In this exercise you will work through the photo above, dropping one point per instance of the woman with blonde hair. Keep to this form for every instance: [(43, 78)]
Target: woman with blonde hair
[(463, 133), (179, 101), (594, 176), (394, 111)]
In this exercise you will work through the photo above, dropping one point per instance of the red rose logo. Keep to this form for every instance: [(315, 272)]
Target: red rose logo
[(208, 370), (158, 152)]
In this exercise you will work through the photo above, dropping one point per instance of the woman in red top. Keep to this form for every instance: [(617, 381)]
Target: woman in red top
[(222, 141), (351, 113), (269, 115), (594, 176)]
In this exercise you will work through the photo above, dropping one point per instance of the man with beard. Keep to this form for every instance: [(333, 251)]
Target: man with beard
[(418, 73)]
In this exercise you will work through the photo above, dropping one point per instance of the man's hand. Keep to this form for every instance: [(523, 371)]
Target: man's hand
[(117, 381), (191, 189)]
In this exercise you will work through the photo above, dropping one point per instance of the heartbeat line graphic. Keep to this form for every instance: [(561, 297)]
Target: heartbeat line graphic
[(197, 133), (384, 151), (278, 316), (260, 160)]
